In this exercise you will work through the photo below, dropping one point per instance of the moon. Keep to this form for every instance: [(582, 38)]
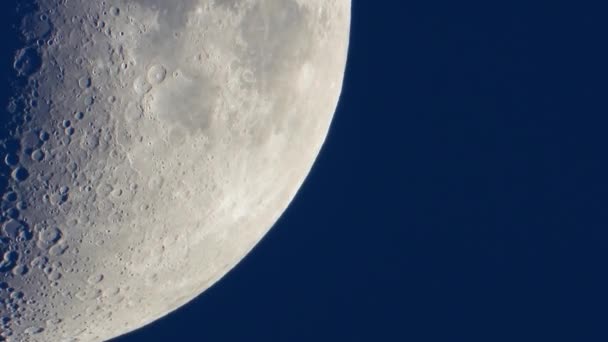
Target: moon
[(148, 146)]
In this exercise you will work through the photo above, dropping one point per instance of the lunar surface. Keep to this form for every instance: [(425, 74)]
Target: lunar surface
[(148, 146)]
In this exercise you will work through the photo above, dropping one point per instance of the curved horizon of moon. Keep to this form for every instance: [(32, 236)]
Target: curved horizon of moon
[(149, 146)]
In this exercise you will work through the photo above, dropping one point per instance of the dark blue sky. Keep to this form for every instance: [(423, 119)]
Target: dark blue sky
[(462, 193)]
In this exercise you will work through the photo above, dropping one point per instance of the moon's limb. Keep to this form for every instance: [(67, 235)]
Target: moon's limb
[(154, 145)]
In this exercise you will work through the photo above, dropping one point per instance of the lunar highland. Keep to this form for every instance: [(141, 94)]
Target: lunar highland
[(148, 146)]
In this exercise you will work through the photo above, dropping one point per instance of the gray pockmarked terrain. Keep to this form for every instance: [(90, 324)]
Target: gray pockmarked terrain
[(151, 144)]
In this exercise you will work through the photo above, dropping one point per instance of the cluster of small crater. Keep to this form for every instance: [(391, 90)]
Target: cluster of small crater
[(58, 160), (64, 151)]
